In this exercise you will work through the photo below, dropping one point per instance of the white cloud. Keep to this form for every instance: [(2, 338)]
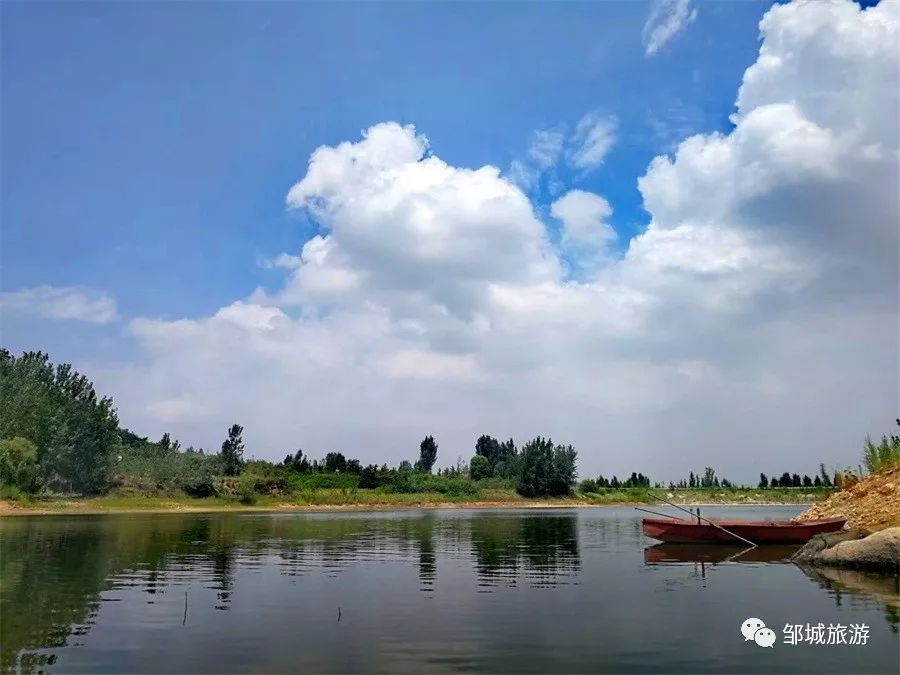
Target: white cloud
[(284, 261), (667, 19), (586, 232), (584, 216), (594, 137), (546, 147), (741, 329), (410, 232), (72, 303)]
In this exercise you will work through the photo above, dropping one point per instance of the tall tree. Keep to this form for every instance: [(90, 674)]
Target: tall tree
[(233, 451), (826, 481), (763, 481), (489, 448), (427, 454), (73, 430)]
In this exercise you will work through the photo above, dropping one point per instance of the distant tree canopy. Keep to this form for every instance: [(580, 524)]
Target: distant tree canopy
[(335, 462), (55, 408), (501, 460), (427, 454), (547, 470)]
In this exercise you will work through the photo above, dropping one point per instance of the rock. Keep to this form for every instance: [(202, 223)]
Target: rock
[(852, 548)]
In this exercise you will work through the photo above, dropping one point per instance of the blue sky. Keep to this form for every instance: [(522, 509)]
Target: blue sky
[(658, 273), (148, 146)]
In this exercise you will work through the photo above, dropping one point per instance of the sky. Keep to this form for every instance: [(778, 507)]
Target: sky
[(664, 232)]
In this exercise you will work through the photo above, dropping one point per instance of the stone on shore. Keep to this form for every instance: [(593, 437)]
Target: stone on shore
[(878, 552)]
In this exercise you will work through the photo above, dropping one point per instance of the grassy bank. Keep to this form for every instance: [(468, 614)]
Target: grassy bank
[(356, 498)]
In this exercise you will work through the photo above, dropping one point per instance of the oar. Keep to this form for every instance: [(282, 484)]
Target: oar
[(698, 516)]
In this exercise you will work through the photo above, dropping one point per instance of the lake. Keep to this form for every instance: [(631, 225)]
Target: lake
[(537, 591)]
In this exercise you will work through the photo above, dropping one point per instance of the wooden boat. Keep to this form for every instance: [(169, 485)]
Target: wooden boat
[(677, 530)]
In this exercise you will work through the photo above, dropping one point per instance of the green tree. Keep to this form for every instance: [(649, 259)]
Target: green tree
[(479, 468), (489, 448), (547, 470), (18, 463), (405, 466), (369, 477), (427, 454), (57, 409), (763, 480), (233, 451), (826, 480), (335, 462)]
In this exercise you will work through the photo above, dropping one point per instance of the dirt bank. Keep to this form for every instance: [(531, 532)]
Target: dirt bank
[(872, 504)]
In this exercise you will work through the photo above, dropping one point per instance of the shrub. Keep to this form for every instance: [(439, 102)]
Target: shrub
[(369, 477), (479, 468), (587, 485), (883, 456), (18, 464)]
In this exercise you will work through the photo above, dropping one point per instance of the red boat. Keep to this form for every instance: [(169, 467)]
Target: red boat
[(676, 530)]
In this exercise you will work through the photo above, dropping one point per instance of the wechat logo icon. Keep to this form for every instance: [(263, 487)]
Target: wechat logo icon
[(755, 629)]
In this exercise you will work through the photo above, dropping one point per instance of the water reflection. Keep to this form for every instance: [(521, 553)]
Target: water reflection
[(841, 582), (54, 572), (201, 593), (542, 550), (661, 554)]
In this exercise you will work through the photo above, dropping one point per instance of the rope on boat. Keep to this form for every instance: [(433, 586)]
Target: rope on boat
[(699, 517)]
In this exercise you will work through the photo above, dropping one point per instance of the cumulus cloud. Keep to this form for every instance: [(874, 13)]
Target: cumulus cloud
[(667, 19), (65, 303), (411, 232), (742, 326), (594, 137), (586, 232)]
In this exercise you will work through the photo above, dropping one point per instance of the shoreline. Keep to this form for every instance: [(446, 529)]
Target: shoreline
[(85, 508)]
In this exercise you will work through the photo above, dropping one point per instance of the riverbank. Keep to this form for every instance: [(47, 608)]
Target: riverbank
[(370, 500)]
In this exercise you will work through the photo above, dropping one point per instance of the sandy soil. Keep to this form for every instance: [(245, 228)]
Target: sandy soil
[(872, 504)]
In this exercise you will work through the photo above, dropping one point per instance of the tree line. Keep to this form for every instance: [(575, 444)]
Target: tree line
[(58, 435)]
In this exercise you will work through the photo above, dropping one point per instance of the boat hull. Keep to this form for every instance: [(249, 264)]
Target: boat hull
[(677, 531)]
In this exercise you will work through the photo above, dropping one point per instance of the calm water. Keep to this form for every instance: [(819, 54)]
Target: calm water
[(426, 591)]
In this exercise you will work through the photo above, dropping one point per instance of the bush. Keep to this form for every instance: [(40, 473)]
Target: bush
[(588, 485), (411, 483), (883, 456), (317, 481), (18, 464), (479, 468), (369, 477), (11, 492)]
